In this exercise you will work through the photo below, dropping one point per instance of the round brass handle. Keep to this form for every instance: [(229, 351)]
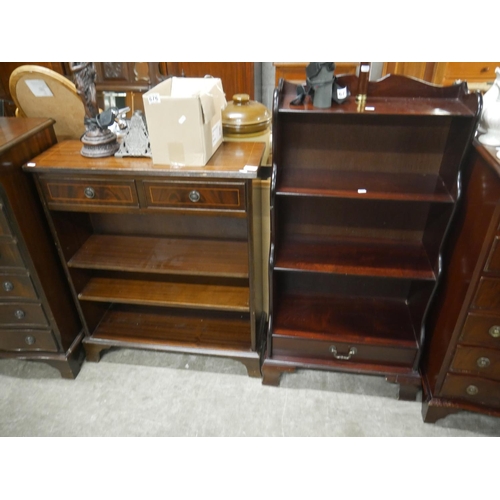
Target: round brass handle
[(494, 331), (8, 286), (483, 362), (194, 196), (30, 340), (352, 352), (89, 192), (472, 390), (19, 314)]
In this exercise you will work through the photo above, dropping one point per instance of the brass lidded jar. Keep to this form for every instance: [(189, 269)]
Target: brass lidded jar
[(247, 120)]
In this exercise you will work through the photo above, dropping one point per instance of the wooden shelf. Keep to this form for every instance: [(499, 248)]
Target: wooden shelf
[(348, 319), (363, 185), (356, 256), (199, 329), (185, 295), (163, 256)]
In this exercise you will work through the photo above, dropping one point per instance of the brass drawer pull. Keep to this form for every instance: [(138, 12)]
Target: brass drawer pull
[(19, 314), (8, 286), (485, 69), (352, 352), (494, 331), (30, 340), (483, 362), (472, 390), (89, 192), (194, 196)]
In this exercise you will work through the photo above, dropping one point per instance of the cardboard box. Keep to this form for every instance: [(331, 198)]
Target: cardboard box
[(184, 120)]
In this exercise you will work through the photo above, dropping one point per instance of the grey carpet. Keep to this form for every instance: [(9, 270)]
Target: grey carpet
[(142, 393)]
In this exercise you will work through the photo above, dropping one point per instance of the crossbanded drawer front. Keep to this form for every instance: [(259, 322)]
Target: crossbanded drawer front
[(9, 255), (22, 314), (475, 390), (320, 350), (27, 340), (90, 192), (480, 361), (196, 196), (481, 331), (13, 286)]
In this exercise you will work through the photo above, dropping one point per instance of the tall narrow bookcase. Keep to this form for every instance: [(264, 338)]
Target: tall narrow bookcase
[(362, 196)]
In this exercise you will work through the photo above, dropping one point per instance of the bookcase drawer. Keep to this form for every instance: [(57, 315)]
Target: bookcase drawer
[(89, 192), (196, 196)]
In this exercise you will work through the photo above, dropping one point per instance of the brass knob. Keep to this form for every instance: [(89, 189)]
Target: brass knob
[(194, 196), (89, 192), (8, 286), (472, 390), (483, 362), (485, 69), (494, 331), (30, 340), (19, 314)]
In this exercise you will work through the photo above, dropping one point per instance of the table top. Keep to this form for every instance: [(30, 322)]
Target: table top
[(238, 160)]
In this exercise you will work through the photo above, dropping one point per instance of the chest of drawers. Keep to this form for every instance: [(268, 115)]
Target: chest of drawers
[(461, 367), (38, 318), (160, 257)]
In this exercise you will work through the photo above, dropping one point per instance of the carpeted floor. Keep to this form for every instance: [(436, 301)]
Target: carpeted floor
[(141, 393)]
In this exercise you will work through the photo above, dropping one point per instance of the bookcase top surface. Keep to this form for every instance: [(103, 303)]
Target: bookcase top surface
[(393, 95), (237, 160)]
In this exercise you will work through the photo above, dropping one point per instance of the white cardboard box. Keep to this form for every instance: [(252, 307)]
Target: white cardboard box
[(184, 119)]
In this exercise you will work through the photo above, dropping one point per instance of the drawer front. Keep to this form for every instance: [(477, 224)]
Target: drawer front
[(480, 361), (13, 286), (9, 255), (481, 331), (471, 71), (475, 390), (487, 296), (89, 192), (22, 314), (196, 196), (4, 223), (321, 350), (27, 340)]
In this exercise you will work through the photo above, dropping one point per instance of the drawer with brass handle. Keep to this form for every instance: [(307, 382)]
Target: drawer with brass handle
[(476, 390), (290, 347), (16, 286), (22, 314), (478, 360), (27, 340), (481, 330), (89, 192), (196, 196)]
